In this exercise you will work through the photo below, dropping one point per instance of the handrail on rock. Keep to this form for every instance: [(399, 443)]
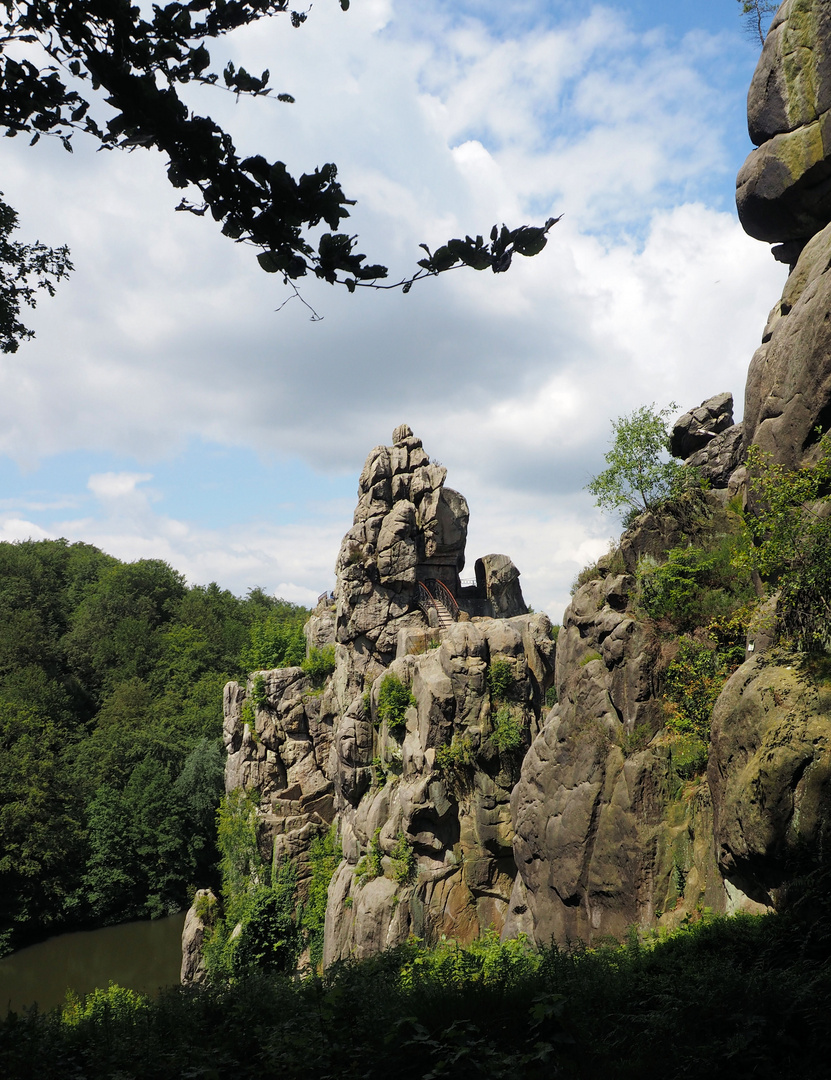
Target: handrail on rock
[(436, 595)]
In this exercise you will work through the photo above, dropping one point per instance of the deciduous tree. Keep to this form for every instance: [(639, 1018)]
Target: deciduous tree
[(640, 471)]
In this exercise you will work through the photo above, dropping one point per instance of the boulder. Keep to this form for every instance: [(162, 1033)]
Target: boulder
[(770, 774), (696, 428), (721, 457), (784, 188), (498, 578)]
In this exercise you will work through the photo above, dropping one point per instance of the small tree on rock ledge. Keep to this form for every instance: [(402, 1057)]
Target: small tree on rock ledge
[(640, 472)]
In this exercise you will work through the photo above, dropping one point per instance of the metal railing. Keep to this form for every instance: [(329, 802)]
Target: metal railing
[(436, 595)]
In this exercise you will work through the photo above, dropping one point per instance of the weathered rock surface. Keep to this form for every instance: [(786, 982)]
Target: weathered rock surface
[(280, 747), (422, 808), (721, 457), (707, 439), (498, 578), (696, 428), (442, 786), (407, 527), (193, 935), (788, 391), (606, 837), (784, 187), (770, 774)]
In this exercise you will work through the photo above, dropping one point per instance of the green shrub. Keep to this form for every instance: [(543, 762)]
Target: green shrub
[(788, 541), (319, 664), (403, 860), (551, 698), (207, 909), (276, 641), (693, 682), (325, 853), (689, 756), (637, 739), (369, 865), (592, 572), (500, 678), (394, 698), (270, 939), (246, 716), (508, 730), (455, 757), (695, 585), (259, 694)]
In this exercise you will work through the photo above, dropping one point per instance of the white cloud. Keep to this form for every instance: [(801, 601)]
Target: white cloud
[(440, 125), (112, 485)]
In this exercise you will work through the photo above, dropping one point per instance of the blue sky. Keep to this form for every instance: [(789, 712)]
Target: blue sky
[(165, 410)]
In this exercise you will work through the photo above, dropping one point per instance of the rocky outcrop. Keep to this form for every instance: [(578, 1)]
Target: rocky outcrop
[(421, 796), (193, 971), (788, 392), (784, 194), (407, 527), (278, 733), (770, 774), (707, 439), (498, 579), (696, 428), (784, 187), (426, 832), (468, 803), (607, 837)]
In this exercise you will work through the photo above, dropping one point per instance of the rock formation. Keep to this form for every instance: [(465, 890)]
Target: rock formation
[(784, 187), (595, 813), (460, 799), (421, 798), (784, 194), (707, 439), (607, 837), (770, 776)]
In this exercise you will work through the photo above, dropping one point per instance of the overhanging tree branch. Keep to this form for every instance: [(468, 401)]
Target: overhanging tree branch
[(105, 52)]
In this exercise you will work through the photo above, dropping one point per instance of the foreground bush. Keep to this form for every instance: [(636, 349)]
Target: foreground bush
[(741, 997)]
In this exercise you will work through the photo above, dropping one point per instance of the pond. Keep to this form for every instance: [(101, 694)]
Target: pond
[(143, 955)]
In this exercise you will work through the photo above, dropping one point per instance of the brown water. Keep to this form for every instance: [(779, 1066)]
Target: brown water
[(143, 956)]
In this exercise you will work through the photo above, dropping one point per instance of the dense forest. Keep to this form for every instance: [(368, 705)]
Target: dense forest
[(111, 763)]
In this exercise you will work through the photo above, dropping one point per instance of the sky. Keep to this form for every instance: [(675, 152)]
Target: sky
[(166, 409)]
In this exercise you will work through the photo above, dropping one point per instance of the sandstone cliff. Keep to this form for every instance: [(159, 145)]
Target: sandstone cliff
[(420, 790)]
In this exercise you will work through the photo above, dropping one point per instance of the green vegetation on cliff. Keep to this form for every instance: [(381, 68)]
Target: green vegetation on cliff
[(111, 764)]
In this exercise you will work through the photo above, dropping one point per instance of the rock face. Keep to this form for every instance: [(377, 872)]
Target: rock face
[(407, 527), (279, 746), (696, 428), (707, 439), (421, 798), (606, 836), (770, 775), (784, 187), (788, 392), (784, 194), (193, 935), (433, 803)]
